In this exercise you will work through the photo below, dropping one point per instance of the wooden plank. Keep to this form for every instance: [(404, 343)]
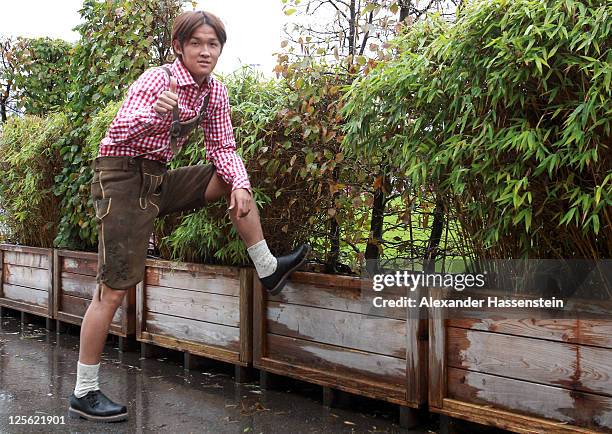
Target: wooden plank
[(486, 415), (78, 285), (416, 363), (115, 328), (593, 332), (24, 249), (88, 267), (56, 282), (351, 385), (24, 307), (572, 407), (437, 351), (246, 315), (572, 366), (195, 280), (35, 260), (259, 322), (90, 256), (194, 331), (78, 306), (345, 329), (313, 292), (201, 306), (338, 362), (346, 299), (26, 295), (326, 280), (580, 331), (140, 310), (196, 348), (1, 272), (420, 394), (573, 307), (552, 329), (49, 278), (215, 270), (416, 354), (128, 306), (37, 278)]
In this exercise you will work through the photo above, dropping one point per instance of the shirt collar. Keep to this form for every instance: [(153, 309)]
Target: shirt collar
[(183, 76)]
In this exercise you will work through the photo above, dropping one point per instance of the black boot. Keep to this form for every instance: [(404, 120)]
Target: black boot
[(97, 407), (285, 266)]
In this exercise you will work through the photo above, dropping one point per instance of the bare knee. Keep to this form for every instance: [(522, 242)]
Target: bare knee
[(216, 189), (112, 297)]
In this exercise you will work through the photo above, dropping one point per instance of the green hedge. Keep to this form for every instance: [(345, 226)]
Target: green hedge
[(507, 115), (29, 162)]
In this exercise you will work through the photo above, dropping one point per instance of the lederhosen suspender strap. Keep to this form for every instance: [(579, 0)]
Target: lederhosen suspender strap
[(180, 129)]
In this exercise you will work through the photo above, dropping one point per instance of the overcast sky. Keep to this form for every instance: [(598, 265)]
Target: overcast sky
[(254, 27)]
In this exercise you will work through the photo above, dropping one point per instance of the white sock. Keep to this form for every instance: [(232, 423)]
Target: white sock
[(265, 262), (87, 379)]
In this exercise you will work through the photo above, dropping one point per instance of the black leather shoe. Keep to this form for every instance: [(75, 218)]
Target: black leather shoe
[(97, 407), (285, 266)]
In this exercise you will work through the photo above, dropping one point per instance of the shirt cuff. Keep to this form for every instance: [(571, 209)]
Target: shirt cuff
[(242, 184)]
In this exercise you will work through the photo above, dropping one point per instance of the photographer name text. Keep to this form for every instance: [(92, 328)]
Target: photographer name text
[(468, 302)]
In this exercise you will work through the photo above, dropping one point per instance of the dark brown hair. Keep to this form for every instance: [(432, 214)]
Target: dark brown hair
[(187, 23)]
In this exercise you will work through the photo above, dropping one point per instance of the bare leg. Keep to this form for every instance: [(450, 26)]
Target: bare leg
[(96, 323), (249, 227), (99, 315)]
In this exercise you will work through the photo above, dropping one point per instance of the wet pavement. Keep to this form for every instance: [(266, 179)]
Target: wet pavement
[(38, 373)]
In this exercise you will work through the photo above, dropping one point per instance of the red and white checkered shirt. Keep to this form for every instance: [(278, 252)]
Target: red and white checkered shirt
[(138, 128)]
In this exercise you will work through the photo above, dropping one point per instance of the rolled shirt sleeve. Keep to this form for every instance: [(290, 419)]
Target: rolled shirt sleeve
[(136, 117), (221, 145)]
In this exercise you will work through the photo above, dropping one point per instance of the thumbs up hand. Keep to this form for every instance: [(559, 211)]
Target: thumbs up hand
[(173, 85), (168, 99)]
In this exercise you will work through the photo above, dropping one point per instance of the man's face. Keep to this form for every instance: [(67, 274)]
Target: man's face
[(200, 52)]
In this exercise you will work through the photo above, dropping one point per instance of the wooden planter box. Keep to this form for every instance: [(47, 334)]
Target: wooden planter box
[(520, 374), (26, 279), (75, 285), (200, 309), (314, 330)]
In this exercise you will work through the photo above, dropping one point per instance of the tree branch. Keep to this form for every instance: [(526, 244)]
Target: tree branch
[(366, 35), (338, 9)]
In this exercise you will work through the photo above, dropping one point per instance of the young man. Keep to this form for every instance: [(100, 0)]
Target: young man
[(132, 186)]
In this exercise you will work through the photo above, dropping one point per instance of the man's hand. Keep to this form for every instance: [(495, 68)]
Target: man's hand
[(168, 99), (241, 200)]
